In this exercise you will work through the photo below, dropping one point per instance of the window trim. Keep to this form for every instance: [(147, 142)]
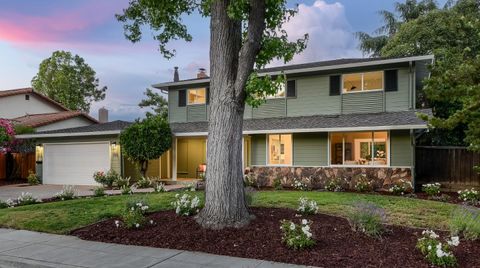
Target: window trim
[(362, 91), (195, 104), (267, 153), (388, 154)]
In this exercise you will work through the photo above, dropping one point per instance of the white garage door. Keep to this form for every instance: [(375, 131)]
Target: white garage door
[(74, 163)]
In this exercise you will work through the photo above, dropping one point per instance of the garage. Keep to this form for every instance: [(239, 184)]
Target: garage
[(74, 163)]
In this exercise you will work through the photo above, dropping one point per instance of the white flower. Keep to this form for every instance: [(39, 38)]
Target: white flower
[(455, 241), (151, 221), (137, 225), (292, 226), (117, 223), (304, 221)]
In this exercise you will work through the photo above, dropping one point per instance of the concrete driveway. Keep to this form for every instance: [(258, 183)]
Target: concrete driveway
[(49, 191)]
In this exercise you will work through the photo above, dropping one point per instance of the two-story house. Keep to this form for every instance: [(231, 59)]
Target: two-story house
[(337, 118)]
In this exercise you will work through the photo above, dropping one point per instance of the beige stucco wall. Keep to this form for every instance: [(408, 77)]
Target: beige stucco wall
[(16, 106), (78, 121)]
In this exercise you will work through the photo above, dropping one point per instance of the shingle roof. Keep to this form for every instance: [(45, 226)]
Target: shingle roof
[(318, 64), (38, 120), (109, 126), (385, 119), (20, 91)]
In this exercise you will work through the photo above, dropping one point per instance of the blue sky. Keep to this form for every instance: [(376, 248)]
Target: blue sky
[(30, 30)]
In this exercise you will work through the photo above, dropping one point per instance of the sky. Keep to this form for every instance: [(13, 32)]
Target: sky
[(30, 30)]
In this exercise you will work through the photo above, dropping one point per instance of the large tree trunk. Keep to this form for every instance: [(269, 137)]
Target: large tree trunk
[(230, 65)]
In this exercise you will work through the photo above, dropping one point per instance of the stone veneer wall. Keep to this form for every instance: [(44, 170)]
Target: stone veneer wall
[(316, 177)]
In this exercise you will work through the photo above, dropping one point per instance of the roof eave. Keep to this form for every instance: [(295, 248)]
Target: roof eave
[(68, 134)]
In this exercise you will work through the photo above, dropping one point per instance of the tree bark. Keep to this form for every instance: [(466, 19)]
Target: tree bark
[(230, 65)]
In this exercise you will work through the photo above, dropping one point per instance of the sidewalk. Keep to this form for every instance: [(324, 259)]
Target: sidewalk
[(27, 249)]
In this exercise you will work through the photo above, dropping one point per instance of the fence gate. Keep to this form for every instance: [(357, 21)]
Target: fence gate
[(451, 166)]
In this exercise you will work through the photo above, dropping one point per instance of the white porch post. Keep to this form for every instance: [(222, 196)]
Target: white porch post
[(174, 156), (243, 153)]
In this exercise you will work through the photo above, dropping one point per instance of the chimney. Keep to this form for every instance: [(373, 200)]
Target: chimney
[(103, 115), (202, 73), (176, 77)]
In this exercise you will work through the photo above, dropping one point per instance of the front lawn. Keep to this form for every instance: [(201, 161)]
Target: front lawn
[(63, 217)]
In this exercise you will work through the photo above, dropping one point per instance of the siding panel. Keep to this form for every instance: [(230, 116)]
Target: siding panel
[(398, 100), (259, 156), (272, 108), (362, 102), (196, 113), (310, 149), (401, 148), (175, 113)]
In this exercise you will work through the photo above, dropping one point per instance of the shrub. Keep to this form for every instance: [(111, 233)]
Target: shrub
[(470, 197), (67, 193), (431, 189), (368, 219), (23, 200), (144, 182), (277, 184), (4, 204), (190, 187), (106, 179), (363, 184), (249, 181), (401, 187), (32, 178), (120, 182), (249, 195), (99, 191), (299, 185), (186, 205), (436, 252), (307, 207), (134, 214), (159, 187), (297, 236), (465, 221), (335, 185), (125, 189)]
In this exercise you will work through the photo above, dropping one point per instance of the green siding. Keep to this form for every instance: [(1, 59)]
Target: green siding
[(362, 102), (399, 100), (313, 97), (271, 108), (196, 113), (259, 156), (401, 148), (175, 113), (310, 149), (248, 112)]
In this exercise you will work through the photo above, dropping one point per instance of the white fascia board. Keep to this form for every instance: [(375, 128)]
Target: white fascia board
[(308, 70), (76, 134), (306, 130)]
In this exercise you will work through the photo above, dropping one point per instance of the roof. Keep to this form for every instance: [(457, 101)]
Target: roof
[(311, 67), (28, 90), (38, 120), (317, 123), (109, 128)]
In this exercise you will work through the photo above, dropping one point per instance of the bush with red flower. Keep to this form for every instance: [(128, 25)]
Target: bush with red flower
[(7, 134)]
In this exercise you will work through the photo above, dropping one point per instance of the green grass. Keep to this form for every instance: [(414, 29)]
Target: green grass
[(63, 217)]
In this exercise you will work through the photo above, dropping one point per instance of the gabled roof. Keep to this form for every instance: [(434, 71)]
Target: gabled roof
[(318, 123), (28, 90), (38, 120), (109, 128)]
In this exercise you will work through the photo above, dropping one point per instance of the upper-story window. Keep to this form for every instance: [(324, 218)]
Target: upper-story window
[(281, 90), (197, 96), (358, 82)]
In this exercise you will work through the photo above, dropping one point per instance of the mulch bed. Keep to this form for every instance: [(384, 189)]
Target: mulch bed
[(337, 245)]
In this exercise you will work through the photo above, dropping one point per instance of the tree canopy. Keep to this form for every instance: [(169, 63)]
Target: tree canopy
[(156, 102), (69, 80)]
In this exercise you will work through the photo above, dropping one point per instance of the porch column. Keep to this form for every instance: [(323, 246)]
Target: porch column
[(243, 153), (174, 156)]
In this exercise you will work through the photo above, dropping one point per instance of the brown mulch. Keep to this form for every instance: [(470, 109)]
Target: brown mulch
[(337, 245)]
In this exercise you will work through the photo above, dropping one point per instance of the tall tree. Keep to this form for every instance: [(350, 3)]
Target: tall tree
[(404, 12), (245, 35), (156, 102), (69, 80)]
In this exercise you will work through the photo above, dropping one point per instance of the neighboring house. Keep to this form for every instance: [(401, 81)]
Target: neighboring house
[(332, 119)]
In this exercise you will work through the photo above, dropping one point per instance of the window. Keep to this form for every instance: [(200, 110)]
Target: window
[(359, 148), (280, 149), (358, 82), (27, 97), (281, 90), (197, 96)]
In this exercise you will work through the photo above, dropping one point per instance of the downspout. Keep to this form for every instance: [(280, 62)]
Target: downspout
[(413, 144), (410, 88)]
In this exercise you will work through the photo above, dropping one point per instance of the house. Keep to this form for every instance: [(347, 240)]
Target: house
[(332, 119)]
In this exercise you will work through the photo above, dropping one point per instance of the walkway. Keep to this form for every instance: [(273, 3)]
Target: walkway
[(27, 249)]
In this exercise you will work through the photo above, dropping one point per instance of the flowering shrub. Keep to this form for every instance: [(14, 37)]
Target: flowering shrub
[(159, 187), (190, 187), (125, 189), (23, 200), (32, 178), (121, 182), (297, 236), (134, 214), (363, 184), (306, 206), (335, 185), (144, 182), (431, 189), (465, 221), (186, 205), (7, 132), (67, 193), (99, 191), (368, 219), (436, 252), (471, 196), (299, 185), (401, 187), (106, 179)]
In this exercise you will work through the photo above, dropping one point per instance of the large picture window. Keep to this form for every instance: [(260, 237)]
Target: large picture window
[(359, 148), (280, 149), (197, 96), (358, 82)]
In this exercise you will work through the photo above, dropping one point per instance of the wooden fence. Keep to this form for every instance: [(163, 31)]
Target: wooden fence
[(23, 163), (451, 166)]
